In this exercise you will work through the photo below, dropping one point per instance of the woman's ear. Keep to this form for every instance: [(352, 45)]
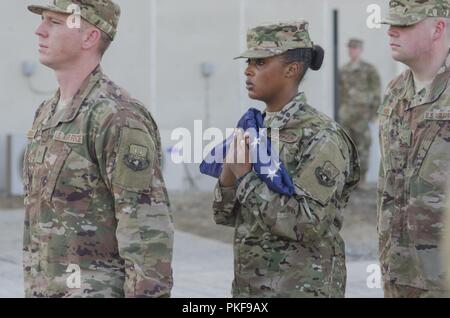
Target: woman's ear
[(293, 70)]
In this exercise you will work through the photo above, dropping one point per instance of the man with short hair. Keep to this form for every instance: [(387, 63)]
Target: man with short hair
[(97, 220), (415, 157), (360, 90)]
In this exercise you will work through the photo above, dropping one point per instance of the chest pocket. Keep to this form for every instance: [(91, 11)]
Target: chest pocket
[(434, 156), (69, 178), (55, 155)]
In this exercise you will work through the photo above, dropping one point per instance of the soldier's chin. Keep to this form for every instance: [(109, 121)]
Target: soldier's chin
[(253, 95), (46, 62), (397, 56)]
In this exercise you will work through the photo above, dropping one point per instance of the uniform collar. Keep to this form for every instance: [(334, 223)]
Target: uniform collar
[(427, 95), (281, 120), (71, 110), (355, 65)]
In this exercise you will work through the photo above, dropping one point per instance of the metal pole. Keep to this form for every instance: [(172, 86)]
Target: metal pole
[(8, 172), (336, 62)]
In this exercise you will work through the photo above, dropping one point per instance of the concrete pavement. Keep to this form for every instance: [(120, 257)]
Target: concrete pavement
[(202, 268)]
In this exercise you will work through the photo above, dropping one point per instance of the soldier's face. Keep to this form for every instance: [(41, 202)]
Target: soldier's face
[(410, 44), (59, 45), (265, 78), (354, 53)]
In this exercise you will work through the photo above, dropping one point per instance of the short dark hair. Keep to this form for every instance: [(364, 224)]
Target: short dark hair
[(310, 58), (105, 42)]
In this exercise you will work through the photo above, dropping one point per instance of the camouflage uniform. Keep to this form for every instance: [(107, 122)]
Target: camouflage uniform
[(415, 167), (446, 243), (359, 87), (290, 246), (95, 198)]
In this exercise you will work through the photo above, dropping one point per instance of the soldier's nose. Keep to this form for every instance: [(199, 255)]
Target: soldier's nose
[(392, 31), (40, 31), (248, 71)]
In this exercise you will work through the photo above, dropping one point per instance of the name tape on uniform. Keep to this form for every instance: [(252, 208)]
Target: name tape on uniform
[(437, 115), (68, 138)]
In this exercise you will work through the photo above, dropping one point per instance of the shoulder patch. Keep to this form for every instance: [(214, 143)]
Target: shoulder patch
[(326, 174), (135, 124), (324, 170), (136, 158)]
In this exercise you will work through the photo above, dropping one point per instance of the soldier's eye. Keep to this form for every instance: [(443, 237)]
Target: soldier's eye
[(260, 62), (248, 61)]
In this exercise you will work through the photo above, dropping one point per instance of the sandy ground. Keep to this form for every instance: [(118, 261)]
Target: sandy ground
[(192, 213), (203, 256)]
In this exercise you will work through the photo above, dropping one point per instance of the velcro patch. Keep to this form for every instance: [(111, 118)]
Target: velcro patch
[(135, 158), (387, 111), (31, 133), (68, 138)]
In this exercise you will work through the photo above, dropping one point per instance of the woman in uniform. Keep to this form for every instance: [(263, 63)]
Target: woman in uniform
[(287, 244)]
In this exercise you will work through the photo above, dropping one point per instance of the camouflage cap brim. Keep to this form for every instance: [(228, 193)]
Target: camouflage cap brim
[(256, 54), (38, 9), (398, 20)]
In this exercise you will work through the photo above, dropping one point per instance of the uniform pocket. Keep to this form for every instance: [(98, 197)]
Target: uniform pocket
[(75, 182), (435, 168), (55, 158)]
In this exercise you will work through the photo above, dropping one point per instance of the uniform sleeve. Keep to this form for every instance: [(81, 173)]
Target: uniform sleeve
[(375, 89), (130, 165), (225, 205), (319, 179), (380, 191)]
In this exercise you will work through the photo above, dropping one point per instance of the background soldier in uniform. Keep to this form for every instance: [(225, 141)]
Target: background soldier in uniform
[(95, 196), (359, 88), (415, 158), (288, 246)]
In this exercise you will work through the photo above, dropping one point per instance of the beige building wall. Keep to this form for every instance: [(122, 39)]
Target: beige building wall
[(159, 50)]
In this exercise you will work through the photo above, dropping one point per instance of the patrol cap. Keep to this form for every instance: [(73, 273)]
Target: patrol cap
[(355, 43), (409, 12), (104, 14), (274, 39)]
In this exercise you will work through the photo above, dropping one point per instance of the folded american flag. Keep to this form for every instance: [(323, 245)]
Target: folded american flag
[(266, 165)]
